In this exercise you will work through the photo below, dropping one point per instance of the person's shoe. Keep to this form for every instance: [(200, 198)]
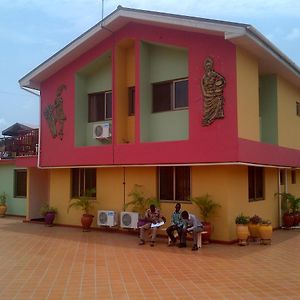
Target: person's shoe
[(152, 244), (182, 245), (195, 248), (172, 244), (142, 242)]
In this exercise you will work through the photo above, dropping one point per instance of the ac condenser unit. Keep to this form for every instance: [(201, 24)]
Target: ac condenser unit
[(101, 130), (129, 219), (107, 218)]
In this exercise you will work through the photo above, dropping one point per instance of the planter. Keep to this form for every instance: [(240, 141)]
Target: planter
[(141, 222), (3, 209), (242, 233), (254, 230), (265, 232), (206, 236), (296, 219), (49, 218), (86, 221), (288, 219)]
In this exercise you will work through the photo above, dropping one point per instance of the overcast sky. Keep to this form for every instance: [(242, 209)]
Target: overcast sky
[(33, 30)]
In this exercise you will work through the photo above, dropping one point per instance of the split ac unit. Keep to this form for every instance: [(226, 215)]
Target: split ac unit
[(129, 219), (107, 218), (101, 130)]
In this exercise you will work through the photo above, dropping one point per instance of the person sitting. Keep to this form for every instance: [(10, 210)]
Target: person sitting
[(176, 224), (152, 216), (192, 223)]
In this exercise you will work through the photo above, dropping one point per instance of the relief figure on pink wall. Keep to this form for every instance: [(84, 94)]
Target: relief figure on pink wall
[(55, 115), (212, 85)]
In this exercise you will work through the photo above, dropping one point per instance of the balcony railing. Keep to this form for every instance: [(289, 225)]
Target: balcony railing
[(25, 144)]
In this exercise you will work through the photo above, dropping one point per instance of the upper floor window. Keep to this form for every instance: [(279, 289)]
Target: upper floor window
[(298, 108), (170, 95), (174, 183), (131, 101), (83, 182), (256, 183), (100, 106), (20, 186)]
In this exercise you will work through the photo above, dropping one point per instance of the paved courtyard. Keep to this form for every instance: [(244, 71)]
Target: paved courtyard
[(38, 262)]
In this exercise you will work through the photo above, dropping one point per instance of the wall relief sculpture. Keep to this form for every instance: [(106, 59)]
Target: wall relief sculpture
[(54, 114), (212, 85)]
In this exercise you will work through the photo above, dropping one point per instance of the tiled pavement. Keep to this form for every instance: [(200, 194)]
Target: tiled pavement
[(38, 262)]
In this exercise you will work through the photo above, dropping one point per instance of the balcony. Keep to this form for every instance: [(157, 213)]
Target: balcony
[(19, 140)]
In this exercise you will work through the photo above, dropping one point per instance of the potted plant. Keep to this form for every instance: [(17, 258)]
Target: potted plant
[(265, 232), (49, 213), (3, 206), (140, 202), (207, 209), (242, 230), (254, 223), (85, 203)]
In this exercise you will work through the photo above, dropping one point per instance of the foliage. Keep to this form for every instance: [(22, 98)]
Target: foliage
[(140, 201), (85, 203), (266, 222), (206, 205), (3, 198), (289, 202), (241, 219), (47, 209), (255, 219)]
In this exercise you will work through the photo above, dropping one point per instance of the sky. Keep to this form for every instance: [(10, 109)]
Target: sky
[(33, 30)]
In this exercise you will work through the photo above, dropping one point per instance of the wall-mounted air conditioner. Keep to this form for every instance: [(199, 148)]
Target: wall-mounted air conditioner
[(129, 219), (107, 218), (101, 130)]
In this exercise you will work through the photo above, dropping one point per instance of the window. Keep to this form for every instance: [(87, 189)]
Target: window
[(131, 101), (83, 181), (170, 95), (20, 186), (174, 183), (256, 183), (293, 176), (282, 177), (100, 107), (298, 108)]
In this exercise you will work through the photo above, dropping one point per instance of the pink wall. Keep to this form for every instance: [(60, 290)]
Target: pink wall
[(215, 143)]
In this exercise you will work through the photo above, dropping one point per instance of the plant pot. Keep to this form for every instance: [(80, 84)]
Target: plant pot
[(3, 209), (206, 236), (242, 233), (288, 219), (49, 218), (265, 232), (254, 230), (141, 222), (86, 221), (296, 218)]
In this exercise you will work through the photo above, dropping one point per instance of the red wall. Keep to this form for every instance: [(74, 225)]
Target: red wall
[(215, 143)]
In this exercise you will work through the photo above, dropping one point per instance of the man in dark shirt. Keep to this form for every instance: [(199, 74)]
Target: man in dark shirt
[(176, 224)]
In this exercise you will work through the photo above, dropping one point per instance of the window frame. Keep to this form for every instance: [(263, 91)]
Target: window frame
[(16, 190), (91, 118), (293, 176), (131, 101), (254, 180), (174, 184), (82, 187), (298, 108), (172, 89)]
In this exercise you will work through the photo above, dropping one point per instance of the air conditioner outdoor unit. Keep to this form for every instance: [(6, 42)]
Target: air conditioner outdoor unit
[(101, 130), (129, 219), (107, 218)]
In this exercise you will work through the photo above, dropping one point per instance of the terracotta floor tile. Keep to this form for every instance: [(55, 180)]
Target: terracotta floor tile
[(65, 263)]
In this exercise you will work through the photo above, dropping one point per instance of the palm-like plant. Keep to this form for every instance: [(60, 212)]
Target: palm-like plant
[(206, 205), (289, 203), (140, 202), (85, 203)]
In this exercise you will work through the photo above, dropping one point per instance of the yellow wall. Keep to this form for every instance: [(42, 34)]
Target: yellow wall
[(227, 185), (288, 121), (247, 96)]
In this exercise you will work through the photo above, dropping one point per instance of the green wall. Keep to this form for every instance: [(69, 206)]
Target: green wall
[(15, 206), (268, 109), (161, 63), (95, 77)]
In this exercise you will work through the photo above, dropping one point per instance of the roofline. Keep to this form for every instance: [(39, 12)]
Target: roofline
[(230, 30)]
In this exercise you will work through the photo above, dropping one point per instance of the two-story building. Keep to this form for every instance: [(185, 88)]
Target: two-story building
[(183, 106)]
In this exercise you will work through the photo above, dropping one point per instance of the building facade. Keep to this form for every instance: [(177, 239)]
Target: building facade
[(182, 106)]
